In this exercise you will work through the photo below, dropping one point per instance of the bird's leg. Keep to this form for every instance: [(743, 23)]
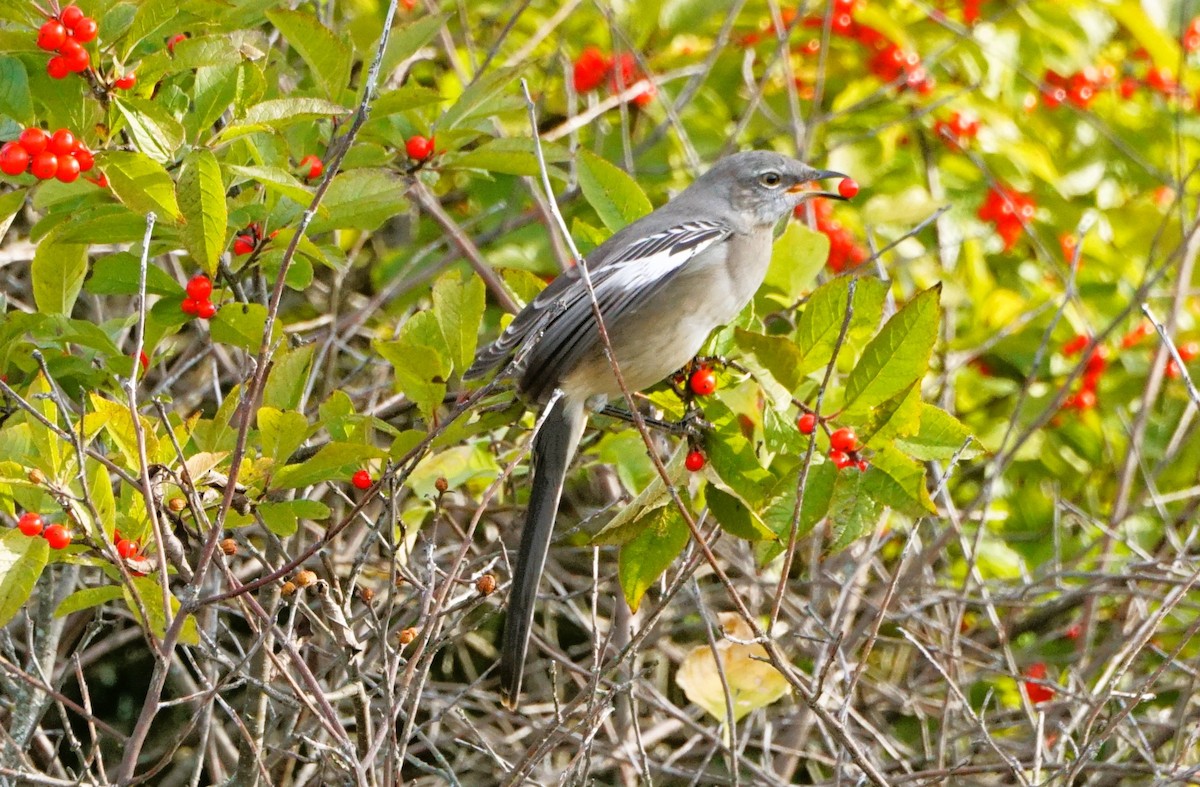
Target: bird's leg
[(691, 425)]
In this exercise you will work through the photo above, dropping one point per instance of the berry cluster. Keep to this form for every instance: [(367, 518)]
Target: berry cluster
[(31, 524), (65, 35), (250, 239), (1010, 211), (1078, 89), (1034, 675), (844, 251), (418, 147), (198, 303), (593, 68), (888, 60), (312, 167), (958, 129), (59, 155), (1097, 362), (844, 448)]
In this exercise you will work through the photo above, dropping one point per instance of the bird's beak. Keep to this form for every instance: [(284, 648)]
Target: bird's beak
[(820, 174)]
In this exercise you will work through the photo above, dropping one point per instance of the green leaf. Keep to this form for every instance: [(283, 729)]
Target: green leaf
[(360, 199), (625, 526), (155, 132), (473, 102), (404, 41), (775, 355), (732, 456), (241, 325), (404, 99), (327, 56), (615, 196), (939, 436), (898, 355), (10, 203), (459, 306), (88, 598), (283, 519), (117, 274), (151, 17), (796, 258), (459, 465), (852, 512), (334, 462), (116, 420), (21, 562), (150, 593), (1163, 49), (141, 184), (821, 321), (288, 378), (281, 432), (419, 361), (734, 516), (897, 481), (104, 223), (202, 200), (58, 271), (663, 534), (15, 99), (276, 180), (279, 113), (818, 493), (507, 156), (900, 415), (103, 501)]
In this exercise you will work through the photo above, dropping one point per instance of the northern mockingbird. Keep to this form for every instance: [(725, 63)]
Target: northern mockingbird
[(663, 284)]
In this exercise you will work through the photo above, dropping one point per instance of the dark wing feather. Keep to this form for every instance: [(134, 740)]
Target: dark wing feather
[(629, 278)]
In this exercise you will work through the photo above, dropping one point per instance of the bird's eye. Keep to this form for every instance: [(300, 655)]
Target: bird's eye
[(770, 179)]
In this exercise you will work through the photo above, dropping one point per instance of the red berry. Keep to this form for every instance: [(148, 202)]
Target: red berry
[(848, 188), (57, 67), (34, 140), (85, 31), (57, 536), (314, 165), (175, 40), (144, 360), (71, 15), (62, 143), (206, 310), (242, 245), (1073, 631), (44, 165), (844, 439), (190, 306), (199, 287), (807, 423), (1076, 345), (1035, 691), (861, 464), (695, 461), (30, 523), (590, 69), (125, 82), (68, 169), (418, 147), (703, 381), (51, 35), (127, 548), (84, 157), (74, 56), (1189, 351), (361, 480), (840, 459), (14, 159)]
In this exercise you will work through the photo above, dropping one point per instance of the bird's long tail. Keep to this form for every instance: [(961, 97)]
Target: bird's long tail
[(561, 426)]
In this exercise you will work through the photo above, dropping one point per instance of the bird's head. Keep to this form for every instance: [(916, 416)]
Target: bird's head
[(765, 184)]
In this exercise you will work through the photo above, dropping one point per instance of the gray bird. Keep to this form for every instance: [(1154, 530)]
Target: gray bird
[(663, 284)]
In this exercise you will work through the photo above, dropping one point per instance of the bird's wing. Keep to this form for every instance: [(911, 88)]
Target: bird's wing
[(624, 281), (621, 274)]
